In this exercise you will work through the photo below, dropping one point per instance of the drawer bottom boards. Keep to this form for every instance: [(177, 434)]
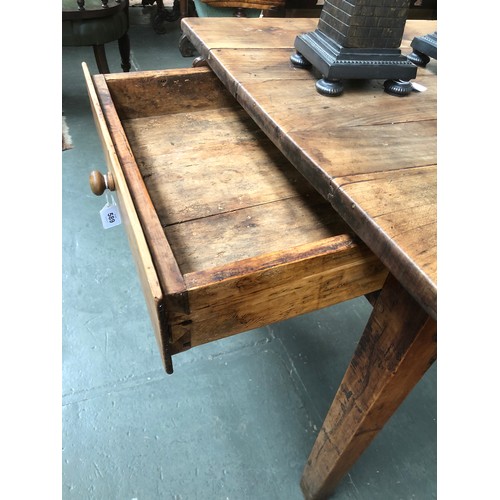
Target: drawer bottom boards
[(236, 236)]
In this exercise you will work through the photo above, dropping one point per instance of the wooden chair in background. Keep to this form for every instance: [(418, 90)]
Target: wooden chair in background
[(95, 23)]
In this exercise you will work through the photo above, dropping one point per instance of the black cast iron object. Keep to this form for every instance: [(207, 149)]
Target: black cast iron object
[(357, 39), (424, 48)]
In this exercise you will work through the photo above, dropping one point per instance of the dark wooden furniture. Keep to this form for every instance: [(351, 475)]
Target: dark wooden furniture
[(179, 9), (309, 215), (166, 15), (95, 23)]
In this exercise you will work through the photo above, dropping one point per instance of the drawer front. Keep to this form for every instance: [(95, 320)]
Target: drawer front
[(144, 263)]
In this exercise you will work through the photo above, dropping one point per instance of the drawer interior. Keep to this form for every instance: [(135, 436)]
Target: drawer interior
[(253, 241), (222, 191)]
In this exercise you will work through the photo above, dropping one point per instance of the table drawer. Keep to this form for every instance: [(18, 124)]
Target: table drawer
[(226, 234)]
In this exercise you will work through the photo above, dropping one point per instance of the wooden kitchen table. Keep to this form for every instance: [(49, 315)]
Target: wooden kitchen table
[(372, 156)]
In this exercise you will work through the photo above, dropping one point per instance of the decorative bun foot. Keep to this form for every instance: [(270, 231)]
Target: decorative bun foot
[(329, 87), (299, 61), (398, 88), (418, 58)]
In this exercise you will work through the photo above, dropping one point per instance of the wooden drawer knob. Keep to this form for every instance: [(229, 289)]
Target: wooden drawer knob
[(99, 182)]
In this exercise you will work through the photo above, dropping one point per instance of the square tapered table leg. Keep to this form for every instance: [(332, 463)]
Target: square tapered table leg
[(397, 347)]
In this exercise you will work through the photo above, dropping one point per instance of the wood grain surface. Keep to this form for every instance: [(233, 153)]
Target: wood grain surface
[(275, 286), (148, 276), (238, 239), (395, 350), (356, 150)]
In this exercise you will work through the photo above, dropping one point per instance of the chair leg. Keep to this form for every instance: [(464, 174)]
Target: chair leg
[(100, 58), (124, 47)]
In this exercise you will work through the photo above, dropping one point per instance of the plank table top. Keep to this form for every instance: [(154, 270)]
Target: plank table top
[(373, 156)]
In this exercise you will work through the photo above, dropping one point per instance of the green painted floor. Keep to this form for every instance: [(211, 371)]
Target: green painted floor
[(238, 417)]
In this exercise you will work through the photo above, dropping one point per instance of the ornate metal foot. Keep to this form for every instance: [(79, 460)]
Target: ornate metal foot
[(424, 48), (398, 88), (329, 87), (418, 58), (299, 61)]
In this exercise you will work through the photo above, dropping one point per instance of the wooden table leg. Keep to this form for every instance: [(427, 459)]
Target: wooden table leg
[(397, 347), (184, 8)]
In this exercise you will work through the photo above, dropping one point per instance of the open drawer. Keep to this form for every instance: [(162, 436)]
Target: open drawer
[(226, 234)]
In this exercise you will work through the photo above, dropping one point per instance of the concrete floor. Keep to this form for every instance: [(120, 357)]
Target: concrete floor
[(238, 417)]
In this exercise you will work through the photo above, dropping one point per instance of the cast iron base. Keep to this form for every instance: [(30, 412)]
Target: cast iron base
[(335, 62), (424, 48)]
